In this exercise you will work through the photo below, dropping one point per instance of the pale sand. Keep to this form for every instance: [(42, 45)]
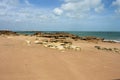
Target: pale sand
[(20, 61)]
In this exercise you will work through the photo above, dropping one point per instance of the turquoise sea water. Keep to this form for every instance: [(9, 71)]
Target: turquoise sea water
[(106, 35)]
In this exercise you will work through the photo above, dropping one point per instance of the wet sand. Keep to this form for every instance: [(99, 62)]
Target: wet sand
[(20, 61)]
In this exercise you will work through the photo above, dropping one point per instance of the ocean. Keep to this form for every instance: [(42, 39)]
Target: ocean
[(112, 36)]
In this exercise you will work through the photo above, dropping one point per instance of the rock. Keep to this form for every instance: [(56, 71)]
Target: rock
[(77, 48), (6, 32), (28, 42), (76, 38), (44, 42), (45, 45), (38, 34), (63, 36), (53, 40), (104, 49), (98, 47), (60, 48), (67, 46), (50, 45), (117, 51), (108, 49), (91, 38), (72, 47), (38, 42), (57, 35), (115, 48), (59, 40), (53, 47)]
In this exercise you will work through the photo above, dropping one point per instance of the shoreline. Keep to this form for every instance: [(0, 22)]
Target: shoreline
[(31, 33), (116, 41)]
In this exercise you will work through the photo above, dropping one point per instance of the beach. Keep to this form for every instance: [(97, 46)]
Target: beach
[(59, 40), (23, 59)]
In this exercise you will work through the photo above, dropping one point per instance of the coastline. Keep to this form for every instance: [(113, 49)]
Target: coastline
[(80, 34), (24, 57)]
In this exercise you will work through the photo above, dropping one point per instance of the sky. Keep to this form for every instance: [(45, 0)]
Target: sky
[(60, 15)]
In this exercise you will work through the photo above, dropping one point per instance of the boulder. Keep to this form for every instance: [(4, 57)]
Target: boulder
[(60, 48), (38, 42), (92, 38), (28, 42), (75, 48), (98, 47)]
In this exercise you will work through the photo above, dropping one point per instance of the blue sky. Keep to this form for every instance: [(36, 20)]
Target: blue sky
[(60, 15)]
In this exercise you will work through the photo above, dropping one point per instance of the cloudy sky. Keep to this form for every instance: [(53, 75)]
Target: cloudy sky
[(59, 15)]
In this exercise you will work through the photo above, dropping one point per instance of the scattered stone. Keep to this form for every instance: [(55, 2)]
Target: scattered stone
[(108, 49), (115, 48), (98, 47), (77, 48), (45, 45), (72, 47), (45, 40), (28, 42), (38, 42), (60, 45), (92, 38), (60, 48)]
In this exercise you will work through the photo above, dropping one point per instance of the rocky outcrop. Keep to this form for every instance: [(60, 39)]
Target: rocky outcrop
[(92, 38), (58, 44), (6, 32), (108, 49), (63, 35), (58, 35)]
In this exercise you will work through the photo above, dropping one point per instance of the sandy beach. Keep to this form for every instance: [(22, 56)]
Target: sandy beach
[(59, 39), (22, 61)]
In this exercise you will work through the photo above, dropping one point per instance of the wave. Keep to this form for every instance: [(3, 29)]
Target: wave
[(117, 41)]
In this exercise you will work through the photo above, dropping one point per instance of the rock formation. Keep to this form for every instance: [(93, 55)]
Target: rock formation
[(108, 49), (6, 32), (63, 35)]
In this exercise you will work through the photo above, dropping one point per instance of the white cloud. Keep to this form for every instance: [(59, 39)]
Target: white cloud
[(14, 11), (72, 0), (58, 11), (8, 5), (99, 9), (117, 4), (78, 8), (25, 13), (28, 3), (117, 11)]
